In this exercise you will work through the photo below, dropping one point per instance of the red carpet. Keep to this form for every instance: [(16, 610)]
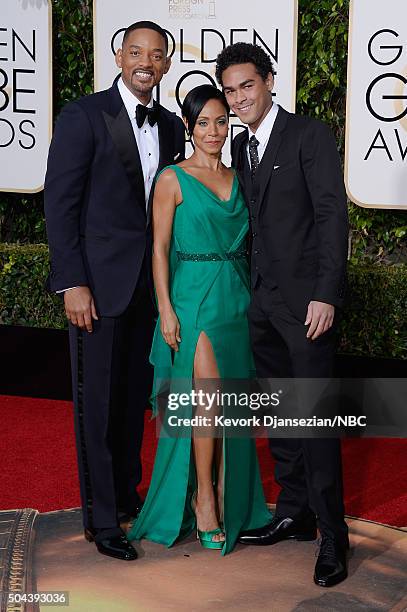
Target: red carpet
[(38, 464)]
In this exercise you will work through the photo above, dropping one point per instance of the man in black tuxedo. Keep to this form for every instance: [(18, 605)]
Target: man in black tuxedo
[(105, 153), (290, 172)]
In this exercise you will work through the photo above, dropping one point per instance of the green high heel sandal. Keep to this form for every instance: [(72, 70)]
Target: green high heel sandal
[(206, 541), (206, 537)]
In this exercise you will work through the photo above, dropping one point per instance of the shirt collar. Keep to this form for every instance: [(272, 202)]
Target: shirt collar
[(130, 101), (264, 130)]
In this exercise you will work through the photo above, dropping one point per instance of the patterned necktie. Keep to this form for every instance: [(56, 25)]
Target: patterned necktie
[(144, 111), (254, 155)]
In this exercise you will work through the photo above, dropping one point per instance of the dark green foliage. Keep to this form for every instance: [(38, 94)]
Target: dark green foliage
[(321, 63), (22, 217), (23, 298), (73, 50), (374, 320)]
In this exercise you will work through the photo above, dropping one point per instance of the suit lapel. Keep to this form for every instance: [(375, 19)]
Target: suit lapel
[(166, 138), (265, 169), (242, 165), (121, 131)]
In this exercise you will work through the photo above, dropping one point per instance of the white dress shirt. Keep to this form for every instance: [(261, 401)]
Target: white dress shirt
[(146, 137), (263, 132)]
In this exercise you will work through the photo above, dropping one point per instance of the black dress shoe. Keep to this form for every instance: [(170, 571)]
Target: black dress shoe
[(331, 567), (112, 542), (279, 529)]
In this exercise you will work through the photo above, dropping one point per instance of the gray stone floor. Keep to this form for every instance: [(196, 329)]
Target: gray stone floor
[(17, 541), (187, 577)]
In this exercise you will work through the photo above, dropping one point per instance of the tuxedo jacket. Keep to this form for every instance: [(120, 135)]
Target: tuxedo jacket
[(98, 228), (298, 212)]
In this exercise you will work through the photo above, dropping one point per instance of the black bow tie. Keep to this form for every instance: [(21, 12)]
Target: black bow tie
[(144, 111)]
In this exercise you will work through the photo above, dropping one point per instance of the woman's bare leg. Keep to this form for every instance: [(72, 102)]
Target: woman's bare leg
[(220, 477), (205, 367)]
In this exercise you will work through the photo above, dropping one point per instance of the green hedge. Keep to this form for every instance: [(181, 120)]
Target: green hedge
[(23, 297), (374, 321)]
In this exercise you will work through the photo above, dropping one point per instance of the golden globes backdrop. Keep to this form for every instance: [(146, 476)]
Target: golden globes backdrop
[(376, 115), (25, 93), (198, 30)]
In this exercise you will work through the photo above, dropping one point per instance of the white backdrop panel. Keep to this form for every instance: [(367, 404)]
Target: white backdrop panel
[(25, 93), (376, 117)]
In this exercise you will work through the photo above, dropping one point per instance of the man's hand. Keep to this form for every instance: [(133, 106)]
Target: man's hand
[(320, 317), (80, 307)]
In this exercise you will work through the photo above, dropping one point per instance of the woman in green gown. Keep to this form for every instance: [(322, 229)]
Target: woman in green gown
[(202, 286)]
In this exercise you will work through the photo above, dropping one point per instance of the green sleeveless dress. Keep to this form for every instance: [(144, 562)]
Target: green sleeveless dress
[(209, 291)]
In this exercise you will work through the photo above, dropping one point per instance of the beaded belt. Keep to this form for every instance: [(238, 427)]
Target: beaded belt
[(229, 256)]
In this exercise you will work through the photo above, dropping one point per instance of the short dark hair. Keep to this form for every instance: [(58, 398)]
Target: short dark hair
[(244, 53), (147, 25), (196, 99)]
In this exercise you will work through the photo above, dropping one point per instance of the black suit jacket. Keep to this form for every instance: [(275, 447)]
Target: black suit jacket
[(298, 212), (98, 229)]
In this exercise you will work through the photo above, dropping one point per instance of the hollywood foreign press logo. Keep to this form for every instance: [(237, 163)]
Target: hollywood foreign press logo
[(192, 9)]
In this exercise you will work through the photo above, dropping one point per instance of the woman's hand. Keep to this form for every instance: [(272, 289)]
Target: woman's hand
[(170, 328)]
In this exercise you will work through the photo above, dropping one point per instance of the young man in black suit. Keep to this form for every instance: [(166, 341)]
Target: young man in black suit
[(104, 155), (290, 172)]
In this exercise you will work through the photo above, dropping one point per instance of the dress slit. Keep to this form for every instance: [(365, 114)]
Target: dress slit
[(222, 458)]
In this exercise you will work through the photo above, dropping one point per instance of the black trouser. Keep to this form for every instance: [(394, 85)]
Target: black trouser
[(309, 470), (111, 378)]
